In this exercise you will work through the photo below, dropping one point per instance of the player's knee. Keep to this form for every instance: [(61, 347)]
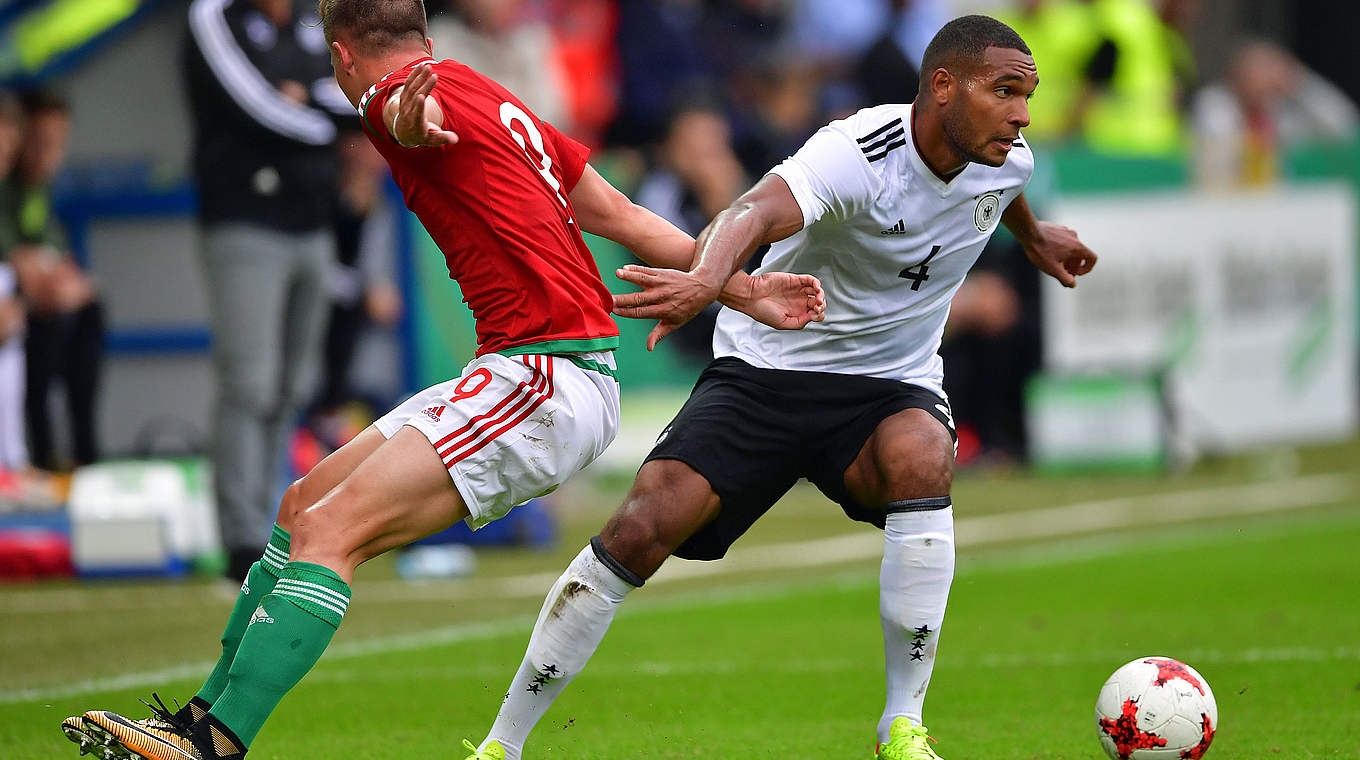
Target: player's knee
[(921, 468), (633, 535), (293, 502), (317, 538)]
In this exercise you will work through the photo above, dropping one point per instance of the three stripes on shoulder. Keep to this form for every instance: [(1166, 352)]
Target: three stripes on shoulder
[(880, 142)]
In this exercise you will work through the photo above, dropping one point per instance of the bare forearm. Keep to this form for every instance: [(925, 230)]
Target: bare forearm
[(729, 240), (1020, 220), (655, 240), (661, 244)]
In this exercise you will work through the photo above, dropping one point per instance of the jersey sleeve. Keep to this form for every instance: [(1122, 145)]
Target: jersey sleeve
[(571, 155), (829, 175), (371, 108)]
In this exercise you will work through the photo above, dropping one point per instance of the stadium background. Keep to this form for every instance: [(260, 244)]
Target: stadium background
[(1192, 433)]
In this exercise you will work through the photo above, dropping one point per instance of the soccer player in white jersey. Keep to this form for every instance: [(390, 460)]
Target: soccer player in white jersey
[(889, 209)]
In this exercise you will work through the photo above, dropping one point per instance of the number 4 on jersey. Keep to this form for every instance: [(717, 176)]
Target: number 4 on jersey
[(923, 272)]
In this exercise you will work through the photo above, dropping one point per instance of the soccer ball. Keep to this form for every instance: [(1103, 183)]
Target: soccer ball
[(1156, 708)]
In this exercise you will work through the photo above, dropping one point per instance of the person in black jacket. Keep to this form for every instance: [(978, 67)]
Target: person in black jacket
[(265, 111)]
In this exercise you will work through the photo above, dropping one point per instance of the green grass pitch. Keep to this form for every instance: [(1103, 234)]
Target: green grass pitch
[(780, 655)]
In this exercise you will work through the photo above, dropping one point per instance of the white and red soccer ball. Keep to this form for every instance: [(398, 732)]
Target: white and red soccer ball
[(1156, 708)]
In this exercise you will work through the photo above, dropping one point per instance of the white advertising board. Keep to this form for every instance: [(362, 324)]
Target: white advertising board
[(1246, 302)]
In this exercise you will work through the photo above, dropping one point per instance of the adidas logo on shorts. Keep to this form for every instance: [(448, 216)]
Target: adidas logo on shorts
[(434, 412)]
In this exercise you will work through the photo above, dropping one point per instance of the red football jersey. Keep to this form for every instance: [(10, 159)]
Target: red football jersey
[(496, 204)]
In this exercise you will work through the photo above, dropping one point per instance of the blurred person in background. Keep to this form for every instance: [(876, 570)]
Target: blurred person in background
[(739, 31), (779, 109), (1129, 101), (888, 71), (696, 175), (992, 347), (362, 296), (837, 31), (13, 449), (65, 334), (505, 41), (1268, 103), (264, 107), (662, 52), (586, 52)]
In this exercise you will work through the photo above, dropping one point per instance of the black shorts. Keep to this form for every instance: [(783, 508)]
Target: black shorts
[(754, 432)]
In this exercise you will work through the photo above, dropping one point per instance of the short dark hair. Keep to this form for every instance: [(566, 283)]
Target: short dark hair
[(958, 46), (374, 24)]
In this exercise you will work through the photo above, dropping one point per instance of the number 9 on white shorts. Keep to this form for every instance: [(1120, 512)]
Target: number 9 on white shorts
[(515, 427)]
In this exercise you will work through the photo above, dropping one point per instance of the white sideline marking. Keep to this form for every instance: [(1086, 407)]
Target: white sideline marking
[(1201, 657), (1073, 519)]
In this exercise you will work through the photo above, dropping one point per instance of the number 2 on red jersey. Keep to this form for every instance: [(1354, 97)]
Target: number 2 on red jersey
[(512, 114)]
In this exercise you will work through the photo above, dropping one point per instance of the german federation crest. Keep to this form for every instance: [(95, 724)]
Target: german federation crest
[(986, 213)]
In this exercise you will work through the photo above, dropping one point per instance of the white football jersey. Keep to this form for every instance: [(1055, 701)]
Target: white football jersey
[(891, 243)]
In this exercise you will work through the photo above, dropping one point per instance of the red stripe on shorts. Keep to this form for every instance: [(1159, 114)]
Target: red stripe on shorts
[(532, 397), (492, 412), (544, 395)]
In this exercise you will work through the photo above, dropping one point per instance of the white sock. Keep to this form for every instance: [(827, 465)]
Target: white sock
[(570, 626), (918, 567)]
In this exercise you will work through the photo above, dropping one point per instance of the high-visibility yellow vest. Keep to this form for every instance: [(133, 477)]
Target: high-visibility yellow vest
[(1138, 114)]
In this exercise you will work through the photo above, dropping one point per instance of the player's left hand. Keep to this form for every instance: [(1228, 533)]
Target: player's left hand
[(782, 300), (670, 296), (1057, 252), (413, 126)]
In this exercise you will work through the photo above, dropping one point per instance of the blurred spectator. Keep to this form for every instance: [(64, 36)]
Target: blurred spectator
[(779, 110), (502, 40), (1268, 102), (1063, 36), (361, 287), (837, 31), (362, 296), (743, 30), (13, 450), (991, 348), (662, 52), (65, 334), (587, 55), (889, 71), (696, 176), (915, 23), (1129, 103), (264, 106)]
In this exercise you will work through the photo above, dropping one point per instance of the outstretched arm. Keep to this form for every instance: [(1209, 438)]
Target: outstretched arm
[(765, 214), (780, 300), (1053, 248), (602, 210), (412, 117)]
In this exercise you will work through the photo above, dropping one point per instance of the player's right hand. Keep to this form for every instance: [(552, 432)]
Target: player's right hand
[(670, 296), (419, 120)]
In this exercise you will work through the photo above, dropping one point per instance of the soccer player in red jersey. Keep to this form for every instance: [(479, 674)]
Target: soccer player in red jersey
[(505, 196)]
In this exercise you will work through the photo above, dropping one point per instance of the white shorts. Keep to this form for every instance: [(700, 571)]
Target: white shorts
[(515, 427)]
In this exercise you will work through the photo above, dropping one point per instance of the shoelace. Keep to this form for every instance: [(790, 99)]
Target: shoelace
[(914, 732), (476, 753), (163, 714)]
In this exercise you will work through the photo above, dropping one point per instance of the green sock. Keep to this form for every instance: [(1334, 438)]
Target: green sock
[(260, 580), (286, 636)]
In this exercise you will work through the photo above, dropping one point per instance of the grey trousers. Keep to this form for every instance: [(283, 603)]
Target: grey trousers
[(268, 303)]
